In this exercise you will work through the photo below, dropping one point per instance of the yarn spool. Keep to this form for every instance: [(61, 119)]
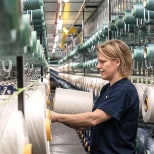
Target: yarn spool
[(72, 101), (138, 55), (142, 136), (41, 88), (5, 112), (13, 139), (75, 80), (97, 37), (10, 19), (13, 12), (128, 17), (94, 38), (150, 5), (119, 22), (94, 82), (29, 93), (41, 26), (100, 84), (37, 53), (36, 14), (147, 152), (98, 87), (105, 33), (75, 65), (62, 68), (140, 89), (138, 11), (112, 25), (37, 21), (23, 39), (69, 67), (85, 83), (86, 45), (32, 5), (46, 84), (89, 85), (26, 32), (34, 39), (150, 146), (147, 106), (91, 41), (149, 53), (80, 82), (101, 34), (35, 119)]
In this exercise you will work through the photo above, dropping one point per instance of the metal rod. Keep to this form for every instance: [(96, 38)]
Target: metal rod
[(83, 39), (41, 38), (109, 8), (41, 73), (20, 82)]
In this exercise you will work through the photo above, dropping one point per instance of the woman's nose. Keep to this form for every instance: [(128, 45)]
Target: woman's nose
[(97, 66)]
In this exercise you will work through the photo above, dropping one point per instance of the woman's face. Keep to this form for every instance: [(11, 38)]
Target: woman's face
[(108, 68)]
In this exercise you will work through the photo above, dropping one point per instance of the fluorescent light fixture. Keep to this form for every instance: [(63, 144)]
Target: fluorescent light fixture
[(53, 50), (55, 45), (56, 38), (59, 24), (65, 1)]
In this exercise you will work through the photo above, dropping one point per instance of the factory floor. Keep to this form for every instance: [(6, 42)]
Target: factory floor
[(65, 140)]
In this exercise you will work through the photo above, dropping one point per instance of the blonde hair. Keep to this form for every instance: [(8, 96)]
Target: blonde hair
[(113, 49)]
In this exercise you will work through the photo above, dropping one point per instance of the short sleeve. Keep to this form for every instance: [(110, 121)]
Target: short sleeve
[(115, 103)]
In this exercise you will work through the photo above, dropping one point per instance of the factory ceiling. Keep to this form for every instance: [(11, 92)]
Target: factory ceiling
[(60, 14)]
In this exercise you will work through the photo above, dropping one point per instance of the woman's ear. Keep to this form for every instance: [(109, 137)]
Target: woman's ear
[(117, 62)]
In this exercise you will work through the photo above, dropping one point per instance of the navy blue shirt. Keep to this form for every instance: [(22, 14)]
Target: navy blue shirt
[(117, 135)]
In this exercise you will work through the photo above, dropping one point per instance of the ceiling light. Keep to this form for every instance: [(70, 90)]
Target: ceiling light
[(55, 45), (59, 24), (65, 1), (56, 38), (53, 50)]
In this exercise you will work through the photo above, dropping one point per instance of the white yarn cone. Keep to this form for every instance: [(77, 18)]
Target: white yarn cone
[(72, 101)]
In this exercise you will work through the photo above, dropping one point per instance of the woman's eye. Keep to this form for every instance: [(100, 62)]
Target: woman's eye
[(101, 62)]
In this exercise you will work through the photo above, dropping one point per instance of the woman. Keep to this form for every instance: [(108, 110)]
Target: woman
[(114, 118)]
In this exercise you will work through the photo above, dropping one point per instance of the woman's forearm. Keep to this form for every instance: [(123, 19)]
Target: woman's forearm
[(82, 119)]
